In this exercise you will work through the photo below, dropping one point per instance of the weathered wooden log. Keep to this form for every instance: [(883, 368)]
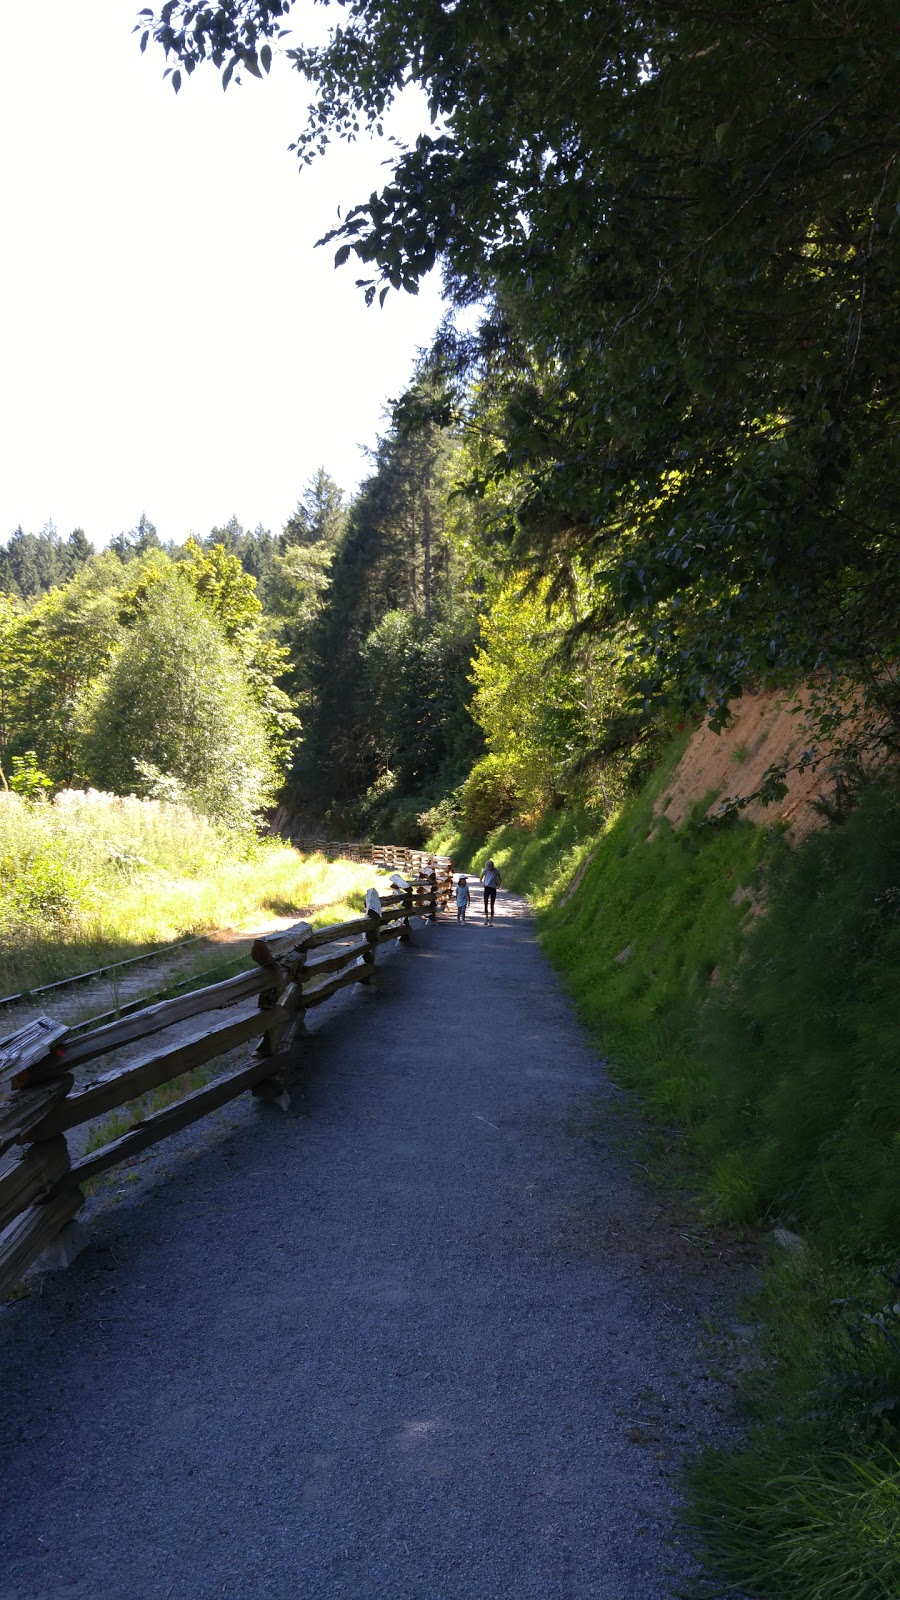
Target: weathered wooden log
[(289, 1002), (276, 946), (374, 908), (27, 1107), (141, 1024), (336, 931), (161, 1124), (395, 931), (281, 1019), (27, 1176), (334, 963), (408, 910), (420, 900), (30, 1055), (287, 1054), (376, 913), (361, 973), (129, 1082), (31, 1233)]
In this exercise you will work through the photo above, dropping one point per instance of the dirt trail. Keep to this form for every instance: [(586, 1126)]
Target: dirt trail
[(422, 1339), (85, 1000)]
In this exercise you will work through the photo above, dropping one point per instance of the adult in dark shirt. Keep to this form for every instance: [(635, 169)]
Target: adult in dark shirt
[(490, 879)]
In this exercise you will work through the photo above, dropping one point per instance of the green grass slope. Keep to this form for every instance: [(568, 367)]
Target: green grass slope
[(748, 992)]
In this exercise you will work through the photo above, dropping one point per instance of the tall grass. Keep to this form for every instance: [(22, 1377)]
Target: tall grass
[(826, 1527), (95, 877), (748, 991)]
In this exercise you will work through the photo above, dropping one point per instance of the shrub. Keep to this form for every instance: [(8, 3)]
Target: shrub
[(488, 797), (27, 778)]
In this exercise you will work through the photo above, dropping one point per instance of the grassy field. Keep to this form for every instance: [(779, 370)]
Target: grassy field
[(747, 991), (94, 878)]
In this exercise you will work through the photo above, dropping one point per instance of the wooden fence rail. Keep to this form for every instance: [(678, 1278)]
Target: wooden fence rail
[(40, 1100), (390, 857)]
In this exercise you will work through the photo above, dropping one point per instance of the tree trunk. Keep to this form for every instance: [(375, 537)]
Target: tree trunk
[(426, 509)]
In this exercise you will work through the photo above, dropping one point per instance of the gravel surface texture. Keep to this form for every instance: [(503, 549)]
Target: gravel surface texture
[(423, 1337)]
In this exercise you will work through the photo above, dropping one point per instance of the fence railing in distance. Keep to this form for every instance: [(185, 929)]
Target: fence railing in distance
[(41, 1101), (389, 857)]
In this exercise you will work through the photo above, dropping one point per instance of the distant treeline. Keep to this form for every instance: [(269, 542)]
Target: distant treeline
[(156, 669), (32, 563)]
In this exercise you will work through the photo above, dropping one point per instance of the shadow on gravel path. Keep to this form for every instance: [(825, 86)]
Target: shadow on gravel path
[(423, 1339)]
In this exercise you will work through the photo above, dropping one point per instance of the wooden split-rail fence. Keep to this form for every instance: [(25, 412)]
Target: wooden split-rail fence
[(41, 1099), (389, 857)]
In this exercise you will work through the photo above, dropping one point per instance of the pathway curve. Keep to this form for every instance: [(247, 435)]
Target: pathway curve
[(421, 1339)]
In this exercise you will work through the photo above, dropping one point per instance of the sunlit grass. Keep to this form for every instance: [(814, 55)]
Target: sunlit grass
[(93, 878), (823, 1528)]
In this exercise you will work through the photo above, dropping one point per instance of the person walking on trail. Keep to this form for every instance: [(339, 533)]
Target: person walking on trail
[(491, 880), (463, 899)]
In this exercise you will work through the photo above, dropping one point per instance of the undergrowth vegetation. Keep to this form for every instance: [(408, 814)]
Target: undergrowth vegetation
[(747, 991), (93, 877)]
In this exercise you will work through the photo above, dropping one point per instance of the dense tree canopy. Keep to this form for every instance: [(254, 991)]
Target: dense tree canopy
[(144, 671), (684, 221), (391, 648), (63, 646)]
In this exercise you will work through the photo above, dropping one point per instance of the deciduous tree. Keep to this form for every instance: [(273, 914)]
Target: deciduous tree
[(175, 704), (684, 220)]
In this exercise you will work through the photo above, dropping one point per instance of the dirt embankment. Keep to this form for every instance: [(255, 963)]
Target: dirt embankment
[(765, 730)]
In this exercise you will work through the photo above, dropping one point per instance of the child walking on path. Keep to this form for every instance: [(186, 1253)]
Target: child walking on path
[(463, 899), (490, 877)]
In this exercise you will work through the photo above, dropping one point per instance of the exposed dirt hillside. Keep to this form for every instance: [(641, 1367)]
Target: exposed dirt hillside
[(729, 765)]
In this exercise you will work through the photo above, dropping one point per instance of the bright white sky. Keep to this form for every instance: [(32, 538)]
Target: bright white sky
[(172, 342)]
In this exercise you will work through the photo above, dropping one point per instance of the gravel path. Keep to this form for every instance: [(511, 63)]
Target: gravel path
[(422, 1338)]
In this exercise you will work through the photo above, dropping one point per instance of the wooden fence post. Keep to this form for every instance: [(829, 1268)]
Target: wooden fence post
[(33, 1220), (373, 909), (282, 1040), (40, 1190), (407, 909)]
